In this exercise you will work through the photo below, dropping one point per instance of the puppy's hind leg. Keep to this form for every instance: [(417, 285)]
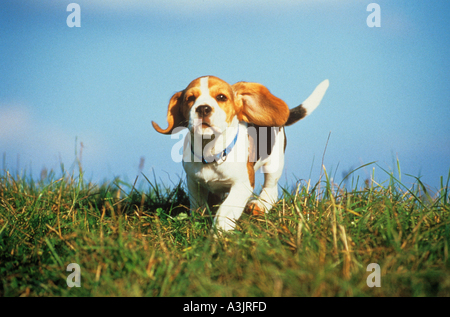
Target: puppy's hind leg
[(272, 169)]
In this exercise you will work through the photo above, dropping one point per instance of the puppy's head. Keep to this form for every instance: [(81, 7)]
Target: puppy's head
[(209, 105)]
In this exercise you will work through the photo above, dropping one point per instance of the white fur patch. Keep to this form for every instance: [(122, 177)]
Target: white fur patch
[(315, 98), (204, 86)]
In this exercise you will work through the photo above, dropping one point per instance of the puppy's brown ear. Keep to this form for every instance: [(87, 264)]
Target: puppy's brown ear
[(175, 117), (255, 104)]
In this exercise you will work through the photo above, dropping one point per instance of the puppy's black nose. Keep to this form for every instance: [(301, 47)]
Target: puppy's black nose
[(203, 111)]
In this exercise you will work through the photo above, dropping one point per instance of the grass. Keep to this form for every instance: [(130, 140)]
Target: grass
[(317, 241)]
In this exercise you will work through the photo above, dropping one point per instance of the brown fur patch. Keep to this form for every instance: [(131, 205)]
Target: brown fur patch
[(175, 117), (251, 173), (258, 106)]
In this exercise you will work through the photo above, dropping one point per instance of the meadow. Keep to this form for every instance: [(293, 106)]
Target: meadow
[(318, 240)]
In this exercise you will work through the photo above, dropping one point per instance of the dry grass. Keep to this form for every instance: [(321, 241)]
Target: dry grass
[(131, 242)]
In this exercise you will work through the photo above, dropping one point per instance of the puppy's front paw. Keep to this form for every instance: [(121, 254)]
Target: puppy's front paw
[(255, 208)]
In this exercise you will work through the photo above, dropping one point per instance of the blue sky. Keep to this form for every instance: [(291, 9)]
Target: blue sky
[(103, 83)]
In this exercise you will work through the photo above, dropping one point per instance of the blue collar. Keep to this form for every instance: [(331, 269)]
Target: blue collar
[(222, 156)]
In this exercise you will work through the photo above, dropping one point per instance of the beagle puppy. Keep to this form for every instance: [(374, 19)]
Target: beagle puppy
[(234, 130)]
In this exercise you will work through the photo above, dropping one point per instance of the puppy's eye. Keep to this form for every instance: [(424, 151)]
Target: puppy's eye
[(221, 97)]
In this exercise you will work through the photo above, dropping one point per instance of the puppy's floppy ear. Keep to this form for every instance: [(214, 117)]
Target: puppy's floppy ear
[(174, 115), (255, 104)]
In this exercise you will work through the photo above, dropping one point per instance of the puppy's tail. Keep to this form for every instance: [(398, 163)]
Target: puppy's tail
[(308, 106)]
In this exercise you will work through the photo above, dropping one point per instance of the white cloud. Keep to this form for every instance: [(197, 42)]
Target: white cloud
[(42, 143), (14, 122)]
